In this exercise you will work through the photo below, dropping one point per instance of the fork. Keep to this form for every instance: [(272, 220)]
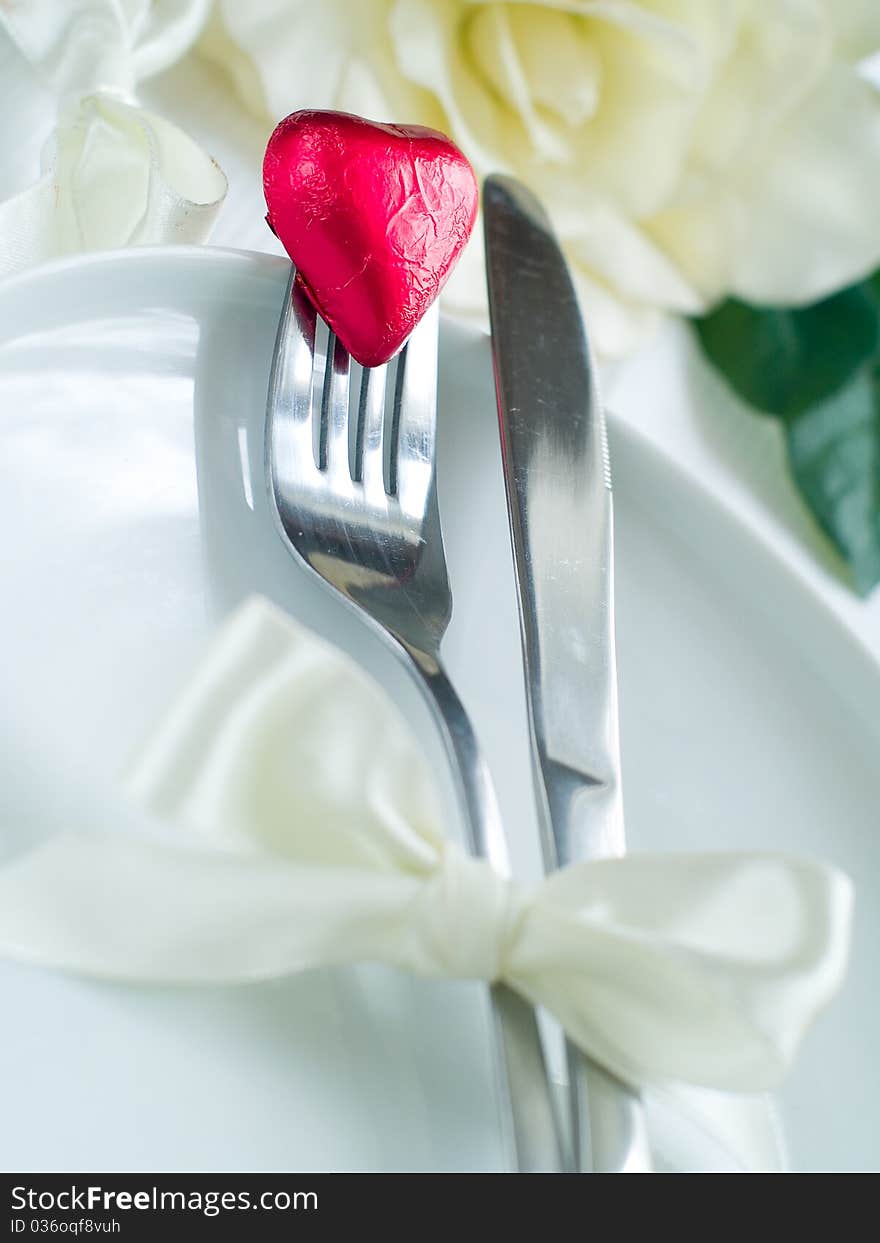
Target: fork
[(355, 499)]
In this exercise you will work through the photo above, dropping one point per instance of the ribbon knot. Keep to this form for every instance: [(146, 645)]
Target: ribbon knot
[(467, 916)]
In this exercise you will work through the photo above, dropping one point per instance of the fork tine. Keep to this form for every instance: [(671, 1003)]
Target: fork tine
[(415, 416), (290, 386), (334, 411), (319, 382), (371, 417)]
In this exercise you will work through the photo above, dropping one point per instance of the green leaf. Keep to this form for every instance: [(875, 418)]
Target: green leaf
[(783, 360), (817, 369), (834, 452)]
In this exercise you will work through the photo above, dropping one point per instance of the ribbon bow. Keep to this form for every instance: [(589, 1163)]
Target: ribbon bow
[(112, 173), (303, 833)]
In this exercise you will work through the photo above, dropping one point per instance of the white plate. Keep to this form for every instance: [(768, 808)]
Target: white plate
[(132, 507)]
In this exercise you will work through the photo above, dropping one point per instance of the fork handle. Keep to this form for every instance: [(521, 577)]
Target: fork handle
[(529, 1121)]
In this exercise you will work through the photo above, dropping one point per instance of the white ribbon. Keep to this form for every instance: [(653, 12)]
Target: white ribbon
[(294, 826), (111, 174)]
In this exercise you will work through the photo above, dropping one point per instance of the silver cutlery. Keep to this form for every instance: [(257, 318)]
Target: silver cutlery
[(351, 471), (558, 484)]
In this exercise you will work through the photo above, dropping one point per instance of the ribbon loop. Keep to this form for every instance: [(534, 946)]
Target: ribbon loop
[(112, 173)]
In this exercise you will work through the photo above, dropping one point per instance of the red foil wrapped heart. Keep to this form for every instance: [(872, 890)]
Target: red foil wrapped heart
[(374, 217)]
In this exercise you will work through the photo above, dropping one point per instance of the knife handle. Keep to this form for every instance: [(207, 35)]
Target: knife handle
[(530, 1125)]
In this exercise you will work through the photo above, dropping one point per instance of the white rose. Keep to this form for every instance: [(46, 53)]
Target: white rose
[(686, 149)]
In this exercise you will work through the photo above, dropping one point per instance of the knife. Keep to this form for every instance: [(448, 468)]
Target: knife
[(558, 484)]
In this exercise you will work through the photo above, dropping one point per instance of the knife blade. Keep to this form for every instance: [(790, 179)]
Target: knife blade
[(558, 484)]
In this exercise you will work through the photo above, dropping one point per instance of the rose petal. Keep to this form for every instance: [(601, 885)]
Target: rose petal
[(773, 59), (537, 67), (425, 40), (290, 54), (812, 207), (701, 231), (615, 325), (856, 27), (617, 251)]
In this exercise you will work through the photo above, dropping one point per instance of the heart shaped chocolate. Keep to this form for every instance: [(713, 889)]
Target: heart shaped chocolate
[(374, 217)]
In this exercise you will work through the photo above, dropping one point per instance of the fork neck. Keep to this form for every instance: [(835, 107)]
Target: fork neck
[(475, 789)]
